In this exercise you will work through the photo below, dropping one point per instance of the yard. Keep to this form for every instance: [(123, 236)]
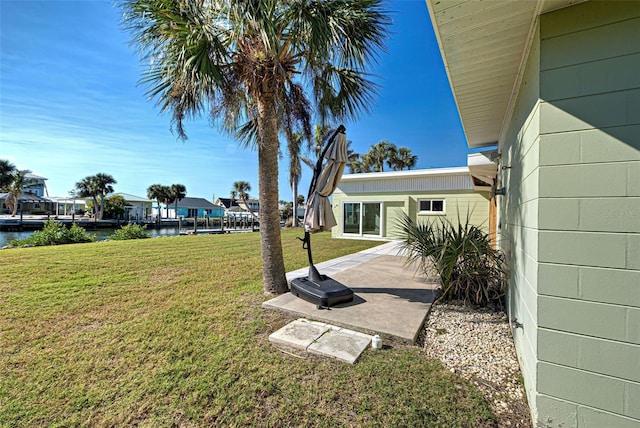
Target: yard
[(170, 331)]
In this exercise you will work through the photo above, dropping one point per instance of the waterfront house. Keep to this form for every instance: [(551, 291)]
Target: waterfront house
[(229, 205), (28, 203), (555, 84), (35, 185), (251, 205), (195, 207), (33, 199), (67, 206), (137, 207)]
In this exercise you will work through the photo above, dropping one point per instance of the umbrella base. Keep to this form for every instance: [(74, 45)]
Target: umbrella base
[(324, 293)]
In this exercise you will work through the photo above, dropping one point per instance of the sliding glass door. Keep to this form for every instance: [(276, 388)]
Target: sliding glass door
[(362, 218)]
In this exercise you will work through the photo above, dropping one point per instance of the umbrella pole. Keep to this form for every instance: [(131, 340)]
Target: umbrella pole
[(314, 275)]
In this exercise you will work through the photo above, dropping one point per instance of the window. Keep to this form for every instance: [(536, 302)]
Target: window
[(362, 218), (431, 206)]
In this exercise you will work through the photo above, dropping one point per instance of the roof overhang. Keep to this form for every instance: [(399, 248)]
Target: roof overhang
[(483, 168), (484, 46)]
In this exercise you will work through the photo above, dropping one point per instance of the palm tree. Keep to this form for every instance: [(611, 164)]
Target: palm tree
[(242, 189), (177, 191), (379, 153), (156, 191), (103, 183), (261, 67), (87, 188), (352, 158), (7, 169), (295, 170), (408, 159), (15, 190), (320, 134), (402, 158), (167, 199)]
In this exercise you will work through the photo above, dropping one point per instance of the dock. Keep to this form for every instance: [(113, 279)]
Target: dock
[(216, 225)]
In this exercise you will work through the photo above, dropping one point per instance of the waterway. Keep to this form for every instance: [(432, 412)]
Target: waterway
[(101, 234)]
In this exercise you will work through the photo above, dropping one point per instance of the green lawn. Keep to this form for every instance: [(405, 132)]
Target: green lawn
[(164, 332)]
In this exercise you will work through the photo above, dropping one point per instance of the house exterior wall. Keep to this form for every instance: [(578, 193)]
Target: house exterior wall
[(571, 217), (518, 221), (394, 204), (202, 212)]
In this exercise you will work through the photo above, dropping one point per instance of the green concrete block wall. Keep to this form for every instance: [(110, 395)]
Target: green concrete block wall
[(518, 219), (588, 253), (570, 222)]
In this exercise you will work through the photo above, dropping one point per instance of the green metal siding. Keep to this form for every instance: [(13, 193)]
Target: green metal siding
[(574, 155)]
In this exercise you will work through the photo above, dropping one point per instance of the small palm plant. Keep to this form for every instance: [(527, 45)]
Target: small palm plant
[(469, 268)]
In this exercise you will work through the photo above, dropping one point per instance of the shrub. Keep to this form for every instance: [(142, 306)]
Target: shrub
[(469, 268), (130, 231), (54, 233)]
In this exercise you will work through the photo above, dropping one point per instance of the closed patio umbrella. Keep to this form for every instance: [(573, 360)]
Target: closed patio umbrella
[(319, 217)]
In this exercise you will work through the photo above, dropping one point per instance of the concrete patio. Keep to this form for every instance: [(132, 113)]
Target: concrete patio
[(391, 298)]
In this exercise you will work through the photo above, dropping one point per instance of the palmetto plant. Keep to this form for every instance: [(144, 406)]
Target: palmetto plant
[(261, 68), (469, 268)]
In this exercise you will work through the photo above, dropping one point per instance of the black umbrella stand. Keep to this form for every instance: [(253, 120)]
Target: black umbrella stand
[(317, 288)]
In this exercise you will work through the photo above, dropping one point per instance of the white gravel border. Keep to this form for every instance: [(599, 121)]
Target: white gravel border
[(477, 345)]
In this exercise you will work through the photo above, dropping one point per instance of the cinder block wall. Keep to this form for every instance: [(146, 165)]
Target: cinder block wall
[(572, 219)]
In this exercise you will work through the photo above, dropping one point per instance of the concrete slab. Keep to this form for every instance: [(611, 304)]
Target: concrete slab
[(346, 345), (391, 298), (299, 334), (322, 339)]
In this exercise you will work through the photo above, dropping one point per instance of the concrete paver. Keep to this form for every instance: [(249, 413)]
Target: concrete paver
[(322, 339), (341, 343), (299, 333)]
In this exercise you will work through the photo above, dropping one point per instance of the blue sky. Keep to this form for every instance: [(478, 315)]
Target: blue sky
[(71, 106)]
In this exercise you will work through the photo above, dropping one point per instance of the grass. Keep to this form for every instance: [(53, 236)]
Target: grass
[(164, 332)]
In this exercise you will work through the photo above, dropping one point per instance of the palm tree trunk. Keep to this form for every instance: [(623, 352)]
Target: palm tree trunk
[(102, 206), (294, 189), (273, 273), (95, 208)]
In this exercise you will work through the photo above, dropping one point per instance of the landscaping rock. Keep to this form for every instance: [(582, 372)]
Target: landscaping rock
[(477, 344)]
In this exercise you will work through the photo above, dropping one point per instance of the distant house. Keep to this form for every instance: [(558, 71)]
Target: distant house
[(371, 205), (35, 184), (251, 205), (137, 207), (230, 206), (28, 203), (66, 206), (196, 207)]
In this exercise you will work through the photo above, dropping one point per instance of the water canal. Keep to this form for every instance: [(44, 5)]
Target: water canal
[(101, 234)]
